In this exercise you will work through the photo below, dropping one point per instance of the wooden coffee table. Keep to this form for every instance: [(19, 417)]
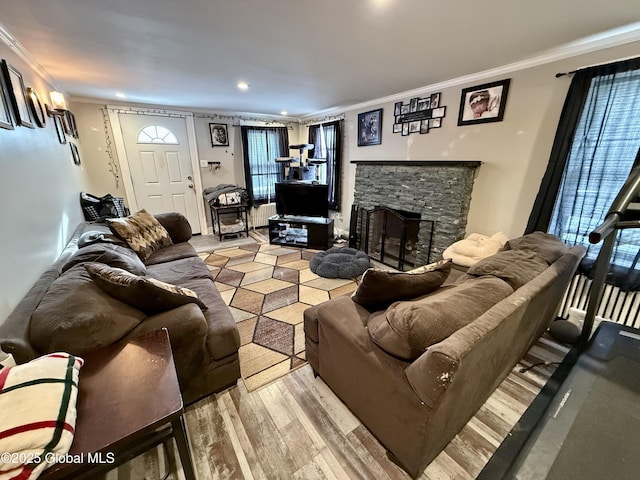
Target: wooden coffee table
[(128, 401)]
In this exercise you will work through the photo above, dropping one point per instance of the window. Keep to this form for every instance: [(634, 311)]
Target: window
[(157, 134), (327, 138), (261, 146), (601, 154)]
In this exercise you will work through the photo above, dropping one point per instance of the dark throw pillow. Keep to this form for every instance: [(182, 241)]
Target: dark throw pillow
[(142, 231), (548, 246), (406, 329), (516, 267), (380, 288), (112, 255), (147, 294)]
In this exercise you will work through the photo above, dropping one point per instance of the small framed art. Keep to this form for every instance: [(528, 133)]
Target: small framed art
[(6, 121), (483, 103), (219, 134), (74, 153), (370, 128), (17, 94)]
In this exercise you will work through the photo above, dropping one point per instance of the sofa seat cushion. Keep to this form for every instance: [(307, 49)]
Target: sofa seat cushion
[(171, 253), (144, 293), (109, 254), (380, 288), (76, 316), (547, 246), (142, 232), (516, 267), (179, 271), (406, 329)]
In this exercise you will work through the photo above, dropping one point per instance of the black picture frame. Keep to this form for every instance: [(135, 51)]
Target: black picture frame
[(6, 120), (17, 94), (219, 133), (70, 126), (37, 110), (57, 121), (490, 99), (75, 154), (370, 128)]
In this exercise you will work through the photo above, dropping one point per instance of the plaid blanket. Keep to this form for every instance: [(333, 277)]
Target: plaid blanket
[(37, 414)]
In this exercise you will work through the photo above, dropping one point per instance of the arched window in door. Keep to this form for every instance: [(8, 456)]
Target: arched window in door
[(157, 134)]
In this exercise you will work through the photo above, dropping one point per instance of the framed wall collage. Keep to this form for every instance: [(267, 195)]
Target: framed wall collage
[(419, 115)]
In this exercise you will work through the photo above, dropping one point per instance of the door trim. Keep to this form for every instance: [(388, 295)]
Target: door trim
[(125, 169)]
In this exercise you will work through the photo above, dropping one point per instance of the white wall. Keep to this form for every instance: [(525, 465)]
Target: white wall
[(39, 189), (514, 152)]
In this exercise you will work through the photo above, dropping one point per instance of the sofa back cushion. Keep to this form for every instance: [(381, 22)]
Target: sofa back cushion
[(109, 254), (547, 246), (406, 329), (142, 232), (76, 316), (516, 267), (380, 288)]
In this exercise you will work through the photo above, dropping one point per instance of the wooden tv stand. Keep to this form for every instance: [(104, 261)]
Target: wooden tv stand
[(304, 232)]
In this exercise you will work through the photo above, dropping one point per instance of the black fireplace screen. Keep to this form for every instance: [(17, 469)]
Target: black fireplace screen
[(396, 238)]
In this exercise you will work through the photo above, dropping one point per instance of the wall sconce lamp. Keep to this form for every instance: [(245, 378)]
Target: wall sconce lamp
[(59, 104)]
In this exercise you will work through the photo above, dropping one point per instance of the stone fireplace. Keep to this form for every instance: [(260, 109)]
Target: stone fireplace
[(435, 191)]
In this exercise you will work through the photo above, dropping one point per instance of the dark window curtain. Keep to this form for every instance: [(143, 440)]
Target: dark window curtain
[(594, 150), (260, 147), (327, 138)]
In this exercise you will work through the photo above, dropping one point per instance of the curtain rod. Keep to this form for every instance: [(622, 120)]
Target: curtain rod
[(562, 74)]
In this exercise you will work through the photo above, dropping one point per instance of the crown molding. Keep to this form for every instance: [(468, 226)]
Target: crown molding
[(22, 52), (601, 41)]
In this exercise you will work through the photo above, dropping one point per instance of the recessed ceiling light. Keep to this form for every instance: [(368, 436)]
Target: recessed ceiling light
[(243, 85), (283, 112), (120, 95)]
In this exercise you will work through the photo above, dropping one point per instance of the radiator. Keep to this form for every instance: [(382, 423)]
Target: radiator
[(616, 305), (260, 214)]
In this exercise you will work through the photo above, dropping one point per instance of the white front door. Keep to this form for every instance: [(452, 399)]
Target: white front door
[(160, 165)]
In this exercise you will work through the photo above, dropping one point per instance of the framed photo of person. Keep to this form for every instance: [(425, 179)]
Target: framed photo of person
[(370, 128), (219, 134), (483, 103)]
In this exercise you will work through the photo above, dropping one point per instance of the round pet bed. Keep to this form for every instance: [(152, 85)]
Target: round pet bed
[(339, 263)]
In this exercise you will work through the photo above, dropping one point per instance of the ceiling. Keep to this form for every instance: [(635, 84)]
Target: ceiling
[(302, 56)]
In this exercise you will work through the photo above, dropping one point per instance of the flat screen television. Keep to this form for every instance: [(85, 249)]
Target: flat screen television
[(302, 199)]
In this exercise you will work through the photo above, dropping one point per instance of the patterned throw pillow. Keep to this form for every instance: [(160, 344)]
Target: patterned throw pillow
[(142, 231), (38, 405), (380, 288), (147, 294)]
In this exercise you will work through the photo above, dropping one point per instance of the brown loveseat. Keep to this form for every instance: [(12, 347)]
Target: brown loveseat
[(67, 311), (416, 372)]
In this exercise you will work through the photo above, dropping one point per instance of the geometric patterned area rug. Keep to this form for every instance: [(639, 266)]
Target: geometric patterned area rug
[(268, 287)]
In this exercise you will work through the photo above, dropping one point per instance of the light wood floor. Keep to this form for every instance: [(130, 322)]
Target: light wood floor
[(296, 428)]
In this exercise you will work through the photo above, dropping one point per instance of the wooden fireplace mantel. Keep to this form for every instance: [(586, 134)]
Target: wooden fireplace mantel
[(421, 163)]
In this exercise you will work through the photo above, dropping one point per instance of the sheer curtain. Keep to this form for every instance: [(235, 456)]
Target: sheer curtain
[(260, 147), (327, 138), (595, 148)]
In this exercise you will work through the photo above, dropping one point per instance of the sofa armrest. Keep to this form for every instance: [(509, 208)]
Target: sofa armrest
[(176, 224), (187, 333), (430, 375)]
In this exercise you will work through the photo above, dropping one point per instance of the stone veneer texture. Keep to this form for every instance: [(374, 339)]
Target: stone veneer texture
[(439, 191)]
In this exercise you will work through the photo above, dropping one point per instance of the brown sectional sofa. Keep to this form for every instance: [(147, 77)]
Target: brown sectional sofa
[(66, 311), (416, 396)]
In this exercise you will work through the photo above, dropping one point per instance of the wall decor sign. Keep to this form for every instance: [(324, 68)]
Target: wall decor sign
[(5, 109), (17, 94), (419, 115), (370, 128), (219, 134), (483, 103)]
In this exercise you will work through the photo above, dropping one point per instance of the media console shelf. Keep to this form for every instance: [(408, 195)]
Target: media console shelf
[(297, 231)]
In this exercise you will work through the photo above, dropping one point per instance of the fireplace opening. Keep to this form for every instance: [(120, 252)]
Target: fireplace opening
[(397, 238)]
